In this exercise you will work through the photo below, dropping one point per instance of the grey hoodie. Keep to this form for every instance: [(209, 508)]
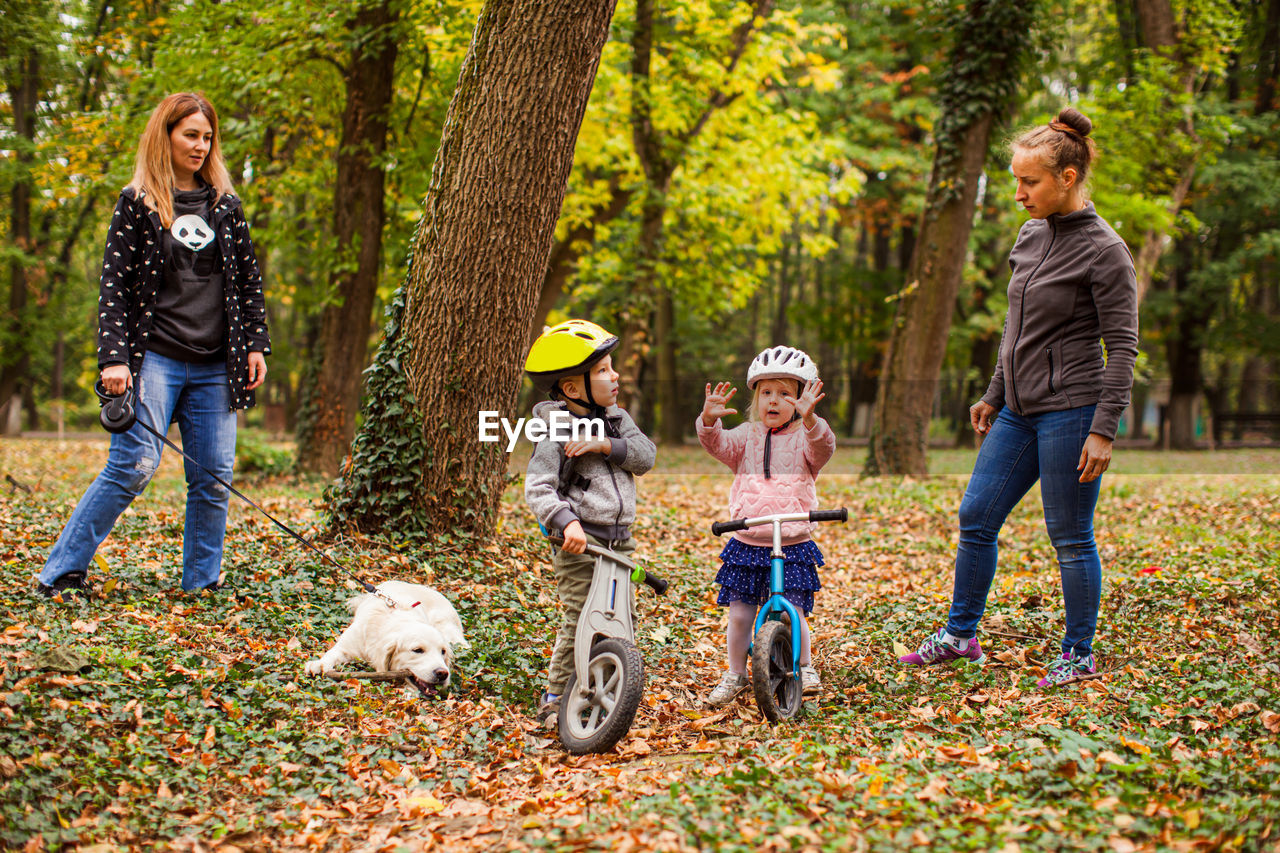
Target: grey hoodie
[(597, 490), (1073, 284)]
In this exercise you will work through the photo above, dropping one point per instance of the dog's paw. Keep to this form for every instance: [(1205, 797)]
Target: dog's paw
[(315, 667)]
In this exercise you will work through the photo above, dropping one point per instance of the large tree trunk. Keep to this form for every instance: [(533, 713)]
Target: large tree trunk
[(15, 362), (1184, 348), (460, 323), (918, 342), (976, 93), (333, 398)]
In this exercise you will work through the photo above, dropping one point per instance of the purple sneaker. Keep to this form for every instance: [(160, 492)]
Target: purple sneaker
[(1067, 667), (936, 650)]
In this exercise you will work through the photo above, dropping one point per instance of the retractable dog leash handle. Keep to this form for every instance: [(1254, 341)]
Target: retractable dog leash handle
[(117, 414)]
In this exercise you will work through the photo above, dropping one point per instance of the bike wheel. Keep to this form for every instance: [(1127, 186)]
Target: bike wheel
[(598, 720), (778, 691)]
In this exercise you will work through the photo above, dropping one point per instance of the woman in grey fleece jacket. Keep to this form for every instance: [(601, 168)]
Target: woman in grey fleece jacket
[(1054, 403)]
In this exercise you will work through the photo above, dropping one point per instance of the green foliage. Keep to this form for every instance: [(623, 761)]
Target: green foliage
[(193, 719), (255, 455), (377, 489), (989, 49)]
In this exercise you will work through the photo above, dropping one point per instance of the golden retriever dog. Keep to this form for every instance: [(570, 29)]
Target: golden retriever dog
[(418, 635)]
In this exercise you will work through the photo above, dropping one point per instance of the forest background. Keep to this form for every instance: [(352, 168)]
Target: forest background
[(746, 173)]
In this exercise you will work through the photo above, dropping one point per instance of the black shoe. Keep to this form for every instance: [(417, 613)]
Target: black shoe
[(69, 584)]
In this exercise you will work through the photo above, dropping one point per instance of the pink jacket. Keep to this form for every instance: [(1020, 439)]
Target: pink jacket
[(796, 455)]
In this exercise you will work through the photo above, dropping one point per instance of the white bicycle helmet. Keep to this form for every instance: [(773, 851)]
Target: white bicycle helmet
[(782, 363)]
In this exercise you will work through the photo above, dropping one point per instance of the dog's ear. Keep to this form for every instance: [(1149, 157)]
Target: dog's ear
[(453, 635)]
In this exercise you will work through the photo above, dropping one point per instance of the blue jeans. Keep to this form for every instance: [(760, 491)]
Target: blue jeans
[(198, 398), (1017, 452)]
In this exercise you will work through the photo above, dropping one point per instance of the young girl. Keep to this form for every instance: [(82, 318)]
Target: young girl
[(775, 461)]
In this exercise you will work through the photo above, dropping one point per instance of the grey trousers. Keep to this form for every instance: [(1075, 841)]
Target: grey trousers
[(573, 582)]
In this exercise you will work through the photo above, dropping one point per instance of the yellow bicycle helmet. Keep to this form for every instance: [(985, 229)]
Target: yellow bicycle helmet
[(567, 349)]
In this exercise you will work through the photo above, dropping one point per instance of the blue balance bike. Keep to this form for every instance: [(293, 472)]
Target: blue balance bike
[(601, 697), (775, 645)]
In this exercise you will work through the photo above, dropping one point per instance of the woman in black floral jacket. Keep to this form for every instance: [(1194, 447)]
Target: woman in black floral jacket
[(181, 319)]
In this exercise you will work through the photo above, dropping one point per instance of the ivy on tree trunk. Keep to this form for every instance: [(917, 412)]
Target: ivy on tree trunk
[(460, 321), (990, 44)]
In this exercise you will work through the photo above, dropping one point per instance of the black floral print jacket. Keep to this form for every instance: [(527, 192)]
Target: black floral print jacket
[(133, 272)]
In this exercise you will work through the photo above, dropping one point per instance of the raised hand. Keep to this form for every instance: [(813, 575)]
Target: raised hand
[(714, 406), (807, 401)]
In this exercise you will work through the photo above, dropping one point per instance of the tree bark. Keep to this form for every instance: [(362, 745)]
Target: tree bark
[(918, 341), (23, 96), (479, 258), (1183, 350), (345, 325), (1269, 61), (1156, 23)]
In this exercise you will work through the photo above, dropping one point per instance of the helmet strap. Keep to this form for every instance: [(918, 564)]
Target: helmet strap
[(594, 409), (768, 441)]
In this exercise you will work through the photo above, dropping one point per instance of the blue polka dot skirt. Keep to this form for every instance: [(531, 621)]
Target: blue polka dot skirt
[(745, 573)]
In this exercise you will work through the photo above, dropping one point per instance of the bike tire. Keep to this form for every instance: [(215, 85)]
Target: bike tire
[(779, 694), (594, 724)]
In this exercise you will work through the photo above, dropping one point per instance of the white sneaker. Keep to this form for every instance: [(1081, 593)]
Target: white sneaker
[(809, 680), (730, 686)]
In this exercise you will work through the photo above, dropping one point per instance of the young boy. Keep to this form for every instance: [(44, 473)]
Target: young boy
[(583, 490)]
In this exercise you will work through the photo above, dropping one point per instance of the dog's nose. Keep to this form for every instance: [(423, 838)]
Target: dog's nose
[(442, 675)]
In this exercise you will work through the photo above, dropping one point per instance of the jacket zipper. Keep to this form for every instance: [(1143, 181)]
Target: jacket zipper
[(1049, 352), (1022, 310)]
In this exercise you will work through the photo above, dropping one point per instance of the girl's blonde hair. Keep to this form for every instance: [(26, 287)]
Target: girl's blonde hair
[(754, 414), (1063, 144), (153, 176)]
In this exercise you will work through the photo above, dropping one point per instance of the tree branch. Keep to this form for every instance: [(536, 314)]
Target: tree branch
[(718, 100)]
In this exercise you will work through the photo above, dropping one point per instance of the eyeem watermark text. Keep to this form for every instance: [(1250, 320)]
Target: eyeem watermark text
[(563, 426)]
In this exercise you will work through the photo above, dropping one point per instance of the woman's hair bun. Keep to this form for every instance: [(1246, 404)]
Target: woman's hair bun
[(1075, 120)]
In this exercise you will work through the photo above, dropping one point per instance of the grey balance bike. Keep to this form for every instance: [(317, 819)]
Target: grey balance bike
[(775, 645), (600, 699)]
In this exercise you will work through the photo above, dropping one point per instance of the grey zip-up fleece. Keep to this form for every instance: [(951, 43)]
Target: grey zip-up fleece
[(1073, 287), (597, 490)]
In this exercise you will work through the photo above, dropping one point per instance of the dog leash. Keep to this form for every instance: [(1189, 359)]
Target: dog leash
[(118, 415)]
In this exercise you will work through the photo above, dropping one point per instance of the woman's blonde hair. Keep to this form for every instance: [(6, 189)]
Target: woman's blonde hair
[(153, 176), (1063, 144)]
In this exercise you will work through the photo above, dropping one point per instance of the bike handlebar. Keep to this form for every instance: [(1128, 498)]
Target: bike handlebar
[(728, 526), (719, 527), (840, 514), (655, 583), (651, 580)]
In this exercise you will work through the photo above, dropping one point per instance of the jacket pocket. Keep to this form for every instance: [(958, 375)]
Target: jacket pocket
[(1053, 387)]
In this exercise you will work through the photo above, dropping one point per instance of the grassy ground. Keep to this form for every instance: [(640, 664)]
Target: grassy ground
[(191, 725)]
